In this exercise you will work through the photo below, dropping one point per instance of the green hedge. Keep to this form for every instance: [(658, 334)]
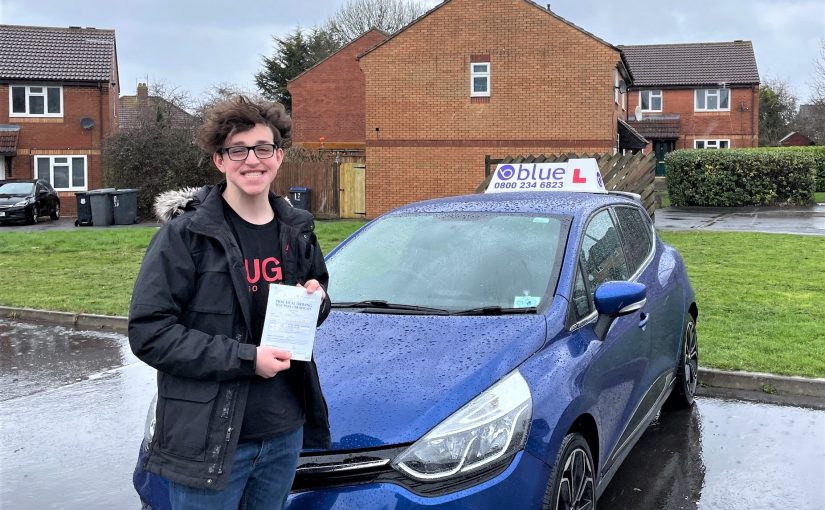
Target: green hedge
[(740, 177), (818, 152)]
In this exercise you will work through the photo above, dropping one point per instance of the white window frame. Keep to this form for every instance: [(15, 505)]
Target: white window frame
[(474, 74), (711, 143), (616, 86), (652, 93), (710, 92), (68, 157), (29, 94)]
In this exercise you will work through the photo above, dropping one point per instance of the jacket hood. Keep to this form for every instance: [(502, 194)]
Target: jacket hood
[(170, 204), (389, 379)]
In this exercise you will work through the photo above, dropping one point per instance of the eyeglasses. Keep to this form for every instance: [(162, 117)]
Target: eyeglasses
[(262, 151)]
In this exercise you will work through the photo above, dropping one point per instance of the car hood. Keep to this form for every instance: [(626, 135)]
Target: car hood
[(388, 379), (11, 200)]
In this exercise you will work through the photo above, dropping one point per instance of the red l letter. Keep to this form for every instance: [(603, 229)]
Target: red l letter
[(578, 179)]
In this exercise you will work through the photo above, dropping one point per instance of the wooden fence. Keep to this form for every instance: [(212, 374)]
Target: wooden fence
[(321, 177), (635, 173)]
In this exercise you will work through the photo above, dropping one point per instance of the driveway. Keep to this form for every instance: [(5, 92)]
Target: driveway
[(776, 220)]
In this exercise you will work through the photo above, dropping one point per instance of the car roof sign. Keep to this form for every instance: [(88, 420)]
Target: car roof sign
[(580, 175)]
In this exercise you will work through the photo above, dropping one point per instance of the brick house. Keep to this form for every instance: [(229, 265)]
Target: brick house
[(142, 108), (795, 139), (472, 78), (328, 98), (702, 96), (60, 92)]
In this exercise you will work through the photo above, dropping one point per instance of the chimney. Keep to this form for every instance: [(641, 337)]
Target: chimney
[(142, 94)]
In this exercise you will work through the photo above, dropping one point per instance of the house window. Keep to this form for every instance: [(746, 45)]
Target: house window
[(711, 144), (480, 79), (36, 100), (712, 100), (651, 100), (616, 87), (64, 173)]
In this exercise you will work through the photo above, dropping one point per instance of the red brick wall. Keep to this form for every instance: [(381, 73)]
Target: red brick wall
[(740, 125), (328, 100), (65, 136), (551, 92)]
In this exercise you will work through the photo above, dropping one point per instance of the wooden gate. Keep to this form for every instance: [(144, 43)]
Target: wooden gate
[(352, 191)]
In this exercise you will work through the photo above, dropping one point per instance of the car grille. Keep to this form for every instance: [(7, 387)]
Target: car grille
[(330, 470)]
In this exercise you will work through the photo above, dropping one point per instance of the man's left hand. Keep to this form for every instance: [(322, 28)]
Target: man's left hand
[(313, 286)]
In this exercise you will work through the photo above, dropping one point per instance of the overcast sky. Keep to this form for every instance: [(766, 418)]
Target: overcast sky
[(196, 44)]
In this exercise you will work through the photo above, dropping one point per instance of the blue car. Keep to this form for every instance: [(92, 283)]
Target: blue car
[(504, 350)]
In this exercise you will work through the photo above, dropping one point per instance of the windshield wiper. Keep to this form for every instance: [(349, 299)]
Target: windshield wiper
[(496, 310), (378, 304)]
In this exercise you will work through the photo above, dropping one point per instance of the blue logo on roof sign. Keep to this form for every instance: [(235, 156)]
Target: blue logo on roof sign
[(574, 175)]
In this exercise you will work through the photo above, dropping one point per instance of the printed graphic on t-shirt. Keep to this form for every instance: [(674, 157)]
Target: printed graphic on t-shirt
[(260, 271)]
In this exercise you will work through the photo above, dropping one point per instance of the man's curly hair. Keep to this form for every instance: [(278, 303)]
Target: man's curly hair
[(240, 114)]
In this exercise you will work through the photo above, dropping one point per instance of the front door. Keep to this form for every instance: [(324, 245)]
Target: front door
[(662, 147)]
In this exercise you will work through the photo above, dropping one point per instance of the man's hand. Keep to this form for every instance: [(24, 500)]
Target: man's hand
[(313, 286), (270, 361)]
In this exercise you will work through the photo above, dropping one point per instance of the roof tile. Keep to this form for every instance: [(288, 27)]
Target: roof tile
[(52, 53)]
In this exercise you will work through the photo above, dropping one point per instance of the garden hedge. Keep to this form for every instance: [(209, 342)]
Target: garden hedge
[(742, 177)]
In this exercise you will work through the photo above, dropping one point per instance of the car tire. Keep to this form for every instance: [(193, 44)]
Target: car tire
[(687, 372), (572, 483), (35, 215), (55, 215)]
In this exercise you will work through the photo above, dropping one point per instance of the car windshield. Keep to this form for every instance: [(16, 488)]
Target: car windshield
[(451, 261), (16, 188)]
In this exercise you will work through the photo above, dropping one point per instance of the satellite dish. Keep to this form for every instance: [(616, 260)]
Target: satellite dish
[(87, 123), (638, 112)]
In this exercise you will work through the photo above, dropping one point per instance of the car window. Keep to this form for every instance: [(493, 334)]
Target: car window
[(453, 261), (636, 236), (602, 251), (581, 299), (16, 188)]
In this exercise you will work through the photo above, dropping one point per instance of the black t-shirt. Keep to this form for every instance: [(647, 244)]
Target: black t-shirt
[(274, 406)]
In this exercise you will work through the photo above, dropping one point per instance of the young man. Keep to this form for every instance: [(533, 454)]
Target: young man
[(232, 415)]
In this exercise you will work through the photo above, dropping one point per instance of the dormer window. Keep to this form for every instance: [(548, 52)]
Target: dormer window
[(709, 100), (480, 79), (35, 101)]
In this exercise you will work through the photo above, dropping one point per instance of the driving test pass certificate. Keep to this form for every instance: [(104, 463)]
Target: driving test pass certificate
[(291, 317)]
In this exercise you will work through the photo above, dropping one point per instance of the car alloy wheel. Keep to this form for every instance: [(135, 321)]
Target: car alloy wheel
[(687, 373), (56, 213), (573, 485)]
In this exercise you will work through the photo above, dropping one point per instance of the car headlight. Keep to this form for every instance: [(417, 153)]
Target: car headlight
[(23, 203), (491, 427), (149, 428)]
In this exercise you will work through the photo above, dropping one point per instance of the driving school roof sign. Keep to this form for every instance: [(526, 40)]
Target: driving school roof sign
[(574, 175)]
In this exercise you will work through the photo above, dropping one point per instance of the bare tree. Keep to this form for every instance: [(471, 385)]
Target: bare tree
[(777, 108), (357, 16), (811, 117), (818, 84)]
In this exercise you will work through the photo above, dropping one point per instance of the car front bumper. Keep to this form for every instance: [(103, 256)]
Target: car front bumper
[(15, 214), (521, 486)]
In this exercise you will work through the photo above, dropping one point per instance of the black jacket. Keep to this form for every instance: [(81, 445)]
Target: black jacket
[(190, 319)]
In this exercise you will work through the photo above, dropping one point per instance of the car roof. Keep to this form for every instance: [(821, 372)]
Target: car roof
[(542, 202)]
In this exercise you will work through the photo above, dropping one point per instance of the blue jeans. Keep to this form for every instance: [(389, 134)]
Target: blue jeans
[(261, 476)]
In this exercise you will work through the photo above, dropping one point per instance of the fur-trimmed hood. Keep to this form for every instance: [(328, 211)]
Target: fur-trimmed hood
[(171, 204)]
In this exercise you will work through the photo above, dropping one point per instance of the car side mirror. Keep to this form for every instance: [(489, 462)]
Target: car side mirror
[(614, 299)]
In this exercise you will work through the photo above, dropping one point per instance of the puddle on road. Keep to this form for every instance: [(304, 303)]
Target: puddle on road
[(41, 357), (725, 454)]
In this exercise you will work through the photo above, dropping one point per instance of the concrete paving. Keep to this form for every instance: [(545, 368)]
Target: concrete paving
[(775, 220)]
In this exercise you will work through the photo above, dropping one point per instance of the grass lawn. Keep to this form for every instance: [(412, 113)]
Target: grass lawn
[(760, 300), (760, 295), (819, 197)]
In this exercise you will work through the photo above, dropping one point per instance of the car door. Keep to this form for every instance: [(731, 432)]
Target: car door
[(42, 198), (616, 375)]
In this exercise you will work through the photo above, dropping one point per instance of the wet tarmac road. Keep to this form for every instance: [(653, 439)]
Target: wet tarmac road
[(73, 404)]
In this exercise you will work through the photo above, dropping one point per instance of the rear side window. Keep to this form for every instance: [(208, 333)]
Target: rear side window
[(602, 252), (637, 236)]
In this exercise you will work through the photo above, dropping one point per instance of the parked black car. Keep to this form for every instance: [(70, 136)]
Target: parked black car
[(27, 200)]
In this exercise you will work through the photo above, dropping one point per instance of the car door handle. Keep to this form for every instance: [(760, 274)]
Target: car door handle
[(643, 319)]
